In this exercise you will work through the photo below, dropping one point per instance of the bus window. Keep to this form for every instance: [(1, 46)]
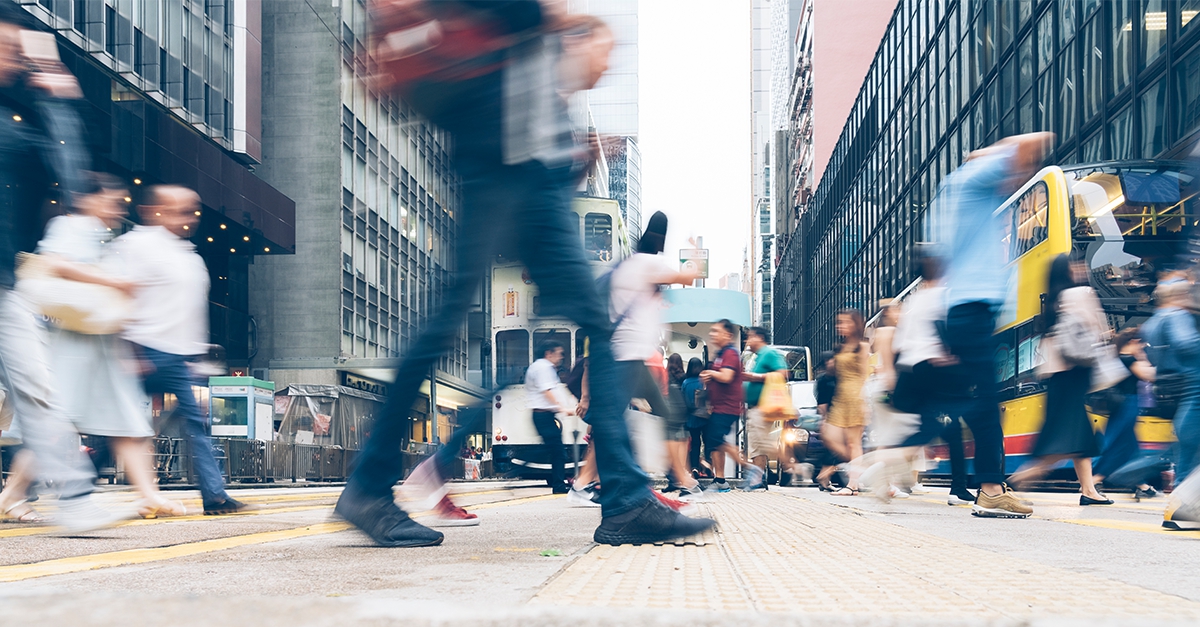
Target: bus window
[(1029, 357), (1032, 208), (562, 336), (512, 356), (598, 237), (1005, 364)]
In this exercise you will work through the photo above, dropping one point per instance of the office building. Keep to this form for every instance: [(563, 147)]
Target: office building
[(377, 202), (614, 106), (1112, 80), (172, 95)]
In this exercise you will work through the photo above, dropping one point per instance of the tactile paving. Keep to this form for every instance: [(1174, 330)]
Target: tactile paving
[(773, 553)]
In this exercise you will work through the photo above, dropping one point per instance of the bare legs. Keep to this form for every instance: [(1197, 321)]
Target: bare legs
[(19, 479), (844, 442), (678, 452), (134, 453), (1038, 469)]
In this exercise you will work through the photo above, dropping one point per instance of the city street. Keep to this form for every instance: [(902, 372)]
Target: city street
[(789, 556)]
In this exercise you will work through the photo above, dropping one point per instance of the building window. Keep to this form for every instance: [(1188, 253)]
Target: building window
[(1066, 99), (1093, 59), (1154, 120), (1187, 95), (1120, 137), (1154, 30), (1122, 45)]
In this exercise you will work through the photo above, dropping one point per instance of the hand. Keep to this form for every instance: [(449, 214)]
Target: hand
[(582, 408), (129, 288), (706, 375), (944, 362)]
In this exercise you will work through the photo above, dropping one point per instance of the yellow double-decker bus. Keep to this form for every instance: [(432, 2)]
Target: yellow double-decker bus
[(1128, 220)]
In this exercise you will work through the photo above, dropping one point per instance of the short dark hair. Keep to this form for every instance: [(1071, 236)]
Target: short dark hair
[(724, 322), (760, 332), (695, 365), (549, 346)]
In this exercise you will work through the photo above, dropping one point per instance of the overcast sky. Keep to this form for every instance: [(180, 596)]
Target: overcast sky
[(694, 125)]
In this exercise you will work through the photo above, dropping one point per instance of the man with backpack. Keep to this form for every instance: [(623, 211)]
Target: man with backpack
[(503, 101)]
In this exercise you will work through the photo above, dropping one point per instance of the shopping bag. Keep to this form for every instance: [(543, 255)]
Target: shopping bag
[(1107, 370), (80, 307), (648, 435), (775, 402)]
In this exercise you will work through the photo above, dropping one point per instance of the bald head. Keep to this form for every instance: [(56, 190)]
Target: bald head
[(172, 207)]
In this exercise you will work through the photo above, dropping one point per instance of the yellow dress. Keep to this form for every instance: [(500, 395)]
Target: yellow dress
[(848, 409)]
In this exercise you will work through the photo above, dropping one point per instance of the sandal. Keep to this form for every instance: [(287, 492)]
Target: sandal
[(160, 507), (25, 515), (845, 492)]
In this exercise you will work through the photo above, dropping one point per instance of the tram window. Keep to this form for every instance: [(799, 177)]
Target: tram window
[(598, 237), (1032, 208), (512, 356), (562, 336)]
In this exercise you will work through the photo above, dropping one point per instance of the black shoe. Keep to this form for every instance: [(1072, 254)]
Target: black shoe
[(647, 524), (228, 506), (562, 489), (671, 488), (386, 523), (960, 496), (1148, 493), (1087, 500)]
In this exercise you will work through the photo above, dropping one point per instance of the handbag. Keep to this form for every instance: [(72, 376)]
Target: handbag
[(1075, 341), (703, 410), (84, 308), (647, 435), (774, 402), (1168, 390), (1108, 369)]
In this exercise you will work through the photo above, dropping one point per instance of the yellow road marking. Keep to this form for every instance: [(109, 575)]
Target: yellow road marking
[(66, 565), (1125, 525), (40, 530)]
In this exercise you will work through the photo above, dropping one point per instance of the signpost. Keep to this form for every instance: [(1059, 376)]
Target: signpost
[(695, 259)]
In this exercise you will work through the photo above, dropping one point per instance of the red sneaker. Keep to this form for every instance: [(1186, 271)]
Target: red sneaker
[(450, 515)]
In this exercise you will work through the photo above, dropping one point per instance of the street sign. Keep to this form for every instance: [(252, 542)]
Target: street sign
[(695, 259)]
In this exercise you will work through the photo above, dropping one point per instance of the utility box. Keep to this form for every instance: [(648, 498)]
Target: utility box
[(242, 407)]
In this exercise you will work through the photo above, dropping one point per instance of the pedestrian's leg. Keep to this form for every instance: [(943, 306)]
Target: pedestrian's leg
[(969, 335), (1120, 439), (952, 435), (134, 454), (551, 434), (25, 373), (20, 477), (1083, 471), (1187, 432)]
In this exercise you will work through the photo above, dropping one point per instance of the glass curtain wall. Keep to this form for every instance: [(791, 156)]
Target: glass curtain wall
[(1113, 79), (399, 196)]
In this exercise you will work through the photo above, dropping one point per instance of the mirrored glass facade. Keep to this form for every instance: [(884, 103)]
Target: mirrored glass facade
[(1114, 79)]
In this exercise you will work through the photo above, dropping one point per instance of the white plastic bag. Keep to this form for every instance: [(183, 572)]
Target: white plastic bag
[(648, 435)]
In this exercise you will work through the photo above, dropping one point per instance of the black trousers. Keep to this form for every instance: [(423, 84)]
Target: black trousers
[(551, 433)]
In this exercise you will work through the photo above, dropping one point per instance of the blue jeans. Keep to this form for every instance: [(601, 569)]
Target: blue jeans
[(172, 376), (1120, 439), (522, 210), (1187, 432)]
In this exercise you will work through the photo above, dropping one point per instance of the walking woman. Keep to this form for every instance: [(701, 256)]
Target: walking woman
[(97, 380), (1120, 440), (842, 431), (696, 417), (1076, 322)]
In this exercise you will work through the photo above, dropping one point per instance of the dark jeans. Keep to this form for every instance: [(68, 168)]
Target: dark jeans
[(551, 432), (970, 336), (1120, 439), (521, 210), (694, 447), (172, 376), (918, 392)]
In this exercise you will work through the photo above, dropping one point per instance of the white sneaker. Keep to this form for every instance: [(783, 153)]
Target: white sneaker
[(695, 494), (581, 498), (919, 489), (897, 493), (81, 515)]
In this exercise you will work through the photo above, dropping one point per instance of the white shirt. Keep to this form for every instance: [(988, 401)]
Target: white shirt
[(635, 296), (541, 377), (916, 338), (171, 305)]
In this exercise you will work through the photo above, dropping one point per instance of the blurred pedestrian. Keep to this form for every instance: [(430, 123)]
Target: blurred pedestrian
[(826, 388), (545, 403), (518, 164), (1120, 434), (977, 281), (725, 395), (41, 157), (761, 441), (1077, 325), (636, 305), (1173, 346), (96, 374), (169, 327), (842, 431), (691, 389)]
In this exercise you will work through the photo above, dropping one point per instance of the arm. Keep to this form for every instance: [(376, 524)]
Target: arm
[(1181, 329), (585, 394), (83, 273), (724, 375)]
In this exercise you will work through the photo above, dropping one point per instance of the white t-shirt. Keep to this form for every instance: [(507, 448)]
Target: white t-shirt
[(635, 295), (541, 377), (171, 304), (916, 338)]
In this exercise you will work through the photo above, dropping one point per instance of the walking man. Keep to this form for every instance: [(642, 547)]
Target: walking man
[(518, 165), (169, 328), (759, 439), (725, 395), (541, 387), (976, 282)]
